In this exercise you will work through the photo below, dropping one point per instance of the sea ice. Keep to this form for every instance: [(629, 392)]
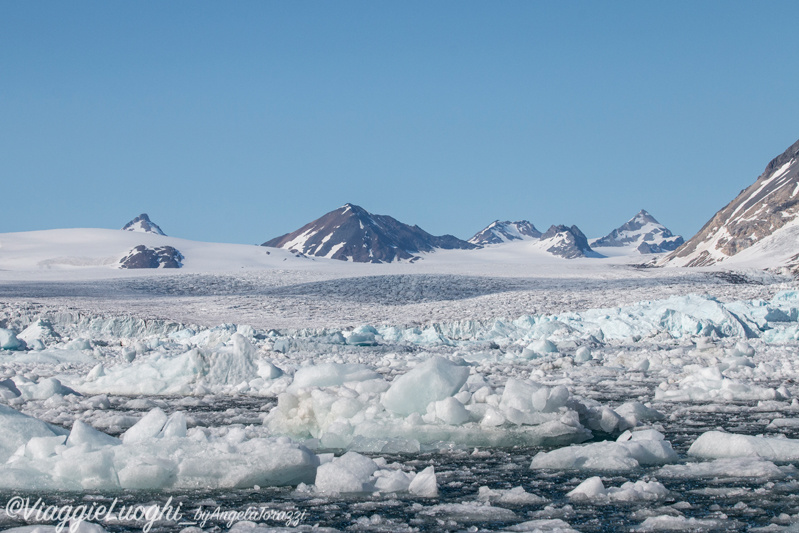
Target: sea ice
[(350, 415), (425, 484), (331, 375), (469, 512), (18, 429), (434, 380), (514, 496), (156, 453), (631, 450), (9, 340), (709, 384), (551, 525), (736, 467), (355, 473), (228, 366), (716, 445), (352, 472), (681, 523), (593, 489)]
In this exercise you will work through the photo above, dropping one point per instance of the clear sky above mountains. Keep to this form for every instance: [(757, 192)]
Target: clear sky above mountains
[(242, 121)]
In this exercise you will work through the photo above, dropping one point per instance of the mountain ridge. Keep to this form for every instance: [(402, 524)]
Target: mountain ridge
[(499, 232), (644, 232), (567, 242), (759, 211), (351, 233), (143, 224)]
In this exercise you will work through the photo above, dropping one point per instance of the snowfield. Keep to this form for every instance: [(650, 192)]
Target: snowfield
[(503, 390)]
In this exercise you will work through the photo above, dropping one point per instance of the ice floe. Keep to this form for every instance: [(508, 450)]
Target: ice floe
[(156, 453), (717, 444), (593, 489), (629, 451)]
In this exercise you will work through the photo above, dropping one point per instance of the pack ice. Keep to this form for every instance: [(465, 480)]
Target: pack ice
[(438, 400), (156, 453), (377, 389)]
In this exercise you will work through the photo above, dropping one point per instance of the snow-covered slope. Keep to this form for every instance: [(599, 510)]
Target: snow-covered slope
[(778, 250), (96, 250), (351, 233), (498, 232), (566, 242), (143, 224), (762, 210), (642, 232)]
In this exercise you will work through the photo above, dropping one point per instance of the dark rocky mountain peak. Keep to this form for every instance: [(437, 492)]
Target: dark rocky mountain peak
[(351, 233), (567, 242), (644, 232), (143, 224)]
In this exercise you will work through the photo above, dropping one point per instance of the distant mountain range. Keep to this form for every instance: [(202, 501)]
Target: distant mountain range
[(351, 233), (759, 228), (759, 225)]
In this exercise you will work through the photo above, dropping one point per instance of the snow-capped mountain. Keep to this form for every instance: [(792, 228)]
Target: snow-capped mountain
[(643, 232), (143, 224), (498, 232), (566, 242), (350, 233), (763, 213)]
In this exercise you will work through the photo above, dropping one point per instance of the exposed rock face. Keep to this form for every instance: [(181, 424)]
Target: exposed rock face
[(643, 231), (566, 242), (498, 232), (160, 257), (143, 224), (655, 248), (760, 210), (350, 233)]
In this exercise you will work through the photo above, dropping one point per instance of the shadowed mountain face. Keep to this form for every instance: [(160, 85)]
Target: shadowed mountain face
[(498, 232), (351, 233), (760, 210), (143, 224), (643, 231)]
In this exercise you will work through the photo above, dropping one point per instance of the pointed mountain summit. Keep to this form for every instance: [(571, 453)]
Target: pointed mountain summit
[(143, 224), (644, 232), (350, 233), (761, 217), (566, 242), (498, 232)]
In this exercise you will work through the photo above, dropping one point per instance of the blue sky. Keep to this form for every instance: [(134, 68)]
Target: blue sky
[(241, 121)]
